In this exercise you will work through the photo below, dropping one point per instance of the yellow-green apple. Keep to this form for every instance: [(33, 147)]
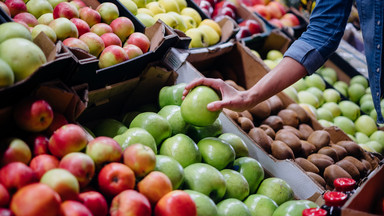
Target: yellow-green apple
[(39, 7), (173, 115), (181, 24), (7, 78), (36, 199), (198, 39), (81, 25), (54, 3), (169, 5), (188, 11), (194, 106), (241, 149), (122, 27), (103, 150), (365, 124), (112, 55), (16, 175), (155, 8), (139, 39), (108, 12), (171, 95), (342, 87), (154, 186), (115, 178), (78, 4), (71, 207), (109, 127), (331, 95), (205, 179), (5, 198), (69, 138), (292, 18), (16, 6), (130, 202), (130, 5), (101, 28), (33, 114), (111, 39), (15, 150), (80, 165), (59, 120), (45, 18), (27, 18), (95, 202), (216, 152), (63, 182), (132, 51), (378, 136), (65, 9), (232, 206), (259, 204), (140, 158), (168, 20), (182, 148), (176, 203), (349, 109), (145, 11), (345, 124), (155, 124), (12, 30), (94, 43), (172, 168), (204, 204), (252, 171), (64, 28), (212, 36), (294, 207), (136, 135), (23, 56), (47, 31), (5, 8), (89, 15), (236, 184), (277, 189), (146, 19), (76, 43), (42, 163), (333, 107), (189, 21)]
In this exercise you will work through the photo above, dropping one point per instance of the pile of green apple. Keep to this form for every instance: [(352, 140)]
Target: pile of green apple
[(272, 58)]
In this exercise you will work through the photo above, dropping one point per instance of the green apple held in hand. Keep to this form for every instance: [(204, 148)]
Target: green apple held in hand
[(294, 208), (136, 135), (237, 185), (173, 115), (252, 171), (204, 205), (172, 168), (216, 152), (232, 206), (260, 205), (277, 189)]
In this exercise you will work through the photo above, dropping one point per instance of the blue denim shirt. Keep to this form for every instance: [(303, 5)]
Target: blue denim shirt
[(325, 30)]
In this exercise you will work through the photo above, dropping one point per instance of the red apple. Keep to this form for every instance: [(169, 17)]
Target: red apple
[(122, 27), (16, 175), (74, 208), (112, 55), (80, 165), (140, 158), (176, 203), (5, 212), (211, 2), (63, 182), (39, 144), (243, 33), (205, 5), (291, 18), (274, 11), (111, 39), (16, 150), (253, 26), (81, 25), (94, 43), (27, 18), (59, 120), (5, 8), (42, 163), (114, 178), (76, 43), (34, 115), (276, 22), (154, 186), (78, 4), (35, 200), (132, 51), (251, 3), (16, 6), (90, 16), (139, 39), (101, 28), (4, 196), (95, 202), (278, 5), (104, 150), (69, 138), (229, 4), (262, 10), (108, 12), (130, 202), (65, 9)]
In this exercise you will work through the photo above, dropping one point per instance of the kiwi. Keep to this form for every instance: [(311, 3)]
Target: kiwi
[(246, 114), (305, 130), (321, 161), (330, 152), (231, 114), (319, 138), (291, 140), (317, 178), (352, 148), (289, 117), (350, 168), (276, 104), (293, 130), (245, 123), (261, 138), (261, 111), (306, 165), (301, 113), (366, 164), (281, 151), (270, 132), (274, 121), (333, 172), (340, 150), (307, 148), (359, 165), (371, 159)]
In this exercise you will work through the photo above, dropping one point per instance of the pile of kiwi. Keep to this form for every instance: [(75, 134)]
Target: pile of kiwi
[(287, 133)]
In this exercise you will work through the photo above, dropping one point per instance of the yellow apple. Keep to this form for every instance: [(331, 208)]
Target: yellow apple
[(146, 19), (188, 11), (191, 23), (170, 5), (212, 24), (155, 7), (181, 25), (182, 4), (212, 36), (198, 39), (130, 5), (167, 19), (145, 11)]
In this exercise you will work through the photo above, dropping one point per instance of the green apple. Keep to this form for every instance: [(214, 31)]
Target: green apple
[(146, 19), (194, 106), (376, 146), (173, 115), (361, 138), (199, 133), (198, 39), (323, 113), (315, 80), (366, 97), (331, 95), (189, 21), (277, 189), (349, 109), (366, 147), (129, 116), (260, 205), (330, 73), (136, 135), (345, 124), (237, 185), (155, 7), (216, 152), (205, 179), (46, 29), (274, 54), (212, 36), (171, 95), (307, 97), (292, 93), (7, 78), (181, 25), (300, 85), (367, 106), (355, 92), (188, 11), (181, 148), (378, 136), (109, 127), (45, 18), (360, 80), (252, 171), (232, 206), (145, 11), (333, 107), (130, 5), (318, 93), (155, 124), (270, 64), (342, 87), (14, 30), (169, 5), (325, 123), (204, 205), (241, 149), (172, 168), (39, 7), (294, 207), (366, 125), (140, 3)]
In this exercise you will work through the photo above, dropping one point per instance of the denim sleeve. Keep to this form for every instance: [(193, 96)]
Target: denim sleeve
[(324, 32)]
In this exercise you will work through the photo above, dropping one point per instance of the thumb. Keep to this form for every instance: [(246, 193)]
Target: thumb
[(215, 106)]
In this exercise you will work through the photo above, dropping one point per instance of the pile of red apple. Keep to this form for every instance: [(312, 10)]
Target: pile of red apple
[(100, 31)]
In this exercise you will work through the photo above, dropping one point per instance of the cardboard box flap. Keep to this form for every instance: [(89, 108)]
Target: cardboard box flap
[(46, 45), (229, 28), (157, 34)]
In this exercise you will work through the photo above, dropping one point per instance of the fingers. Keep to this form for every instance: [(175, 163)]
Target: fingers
[(214, 83), (215, 106)]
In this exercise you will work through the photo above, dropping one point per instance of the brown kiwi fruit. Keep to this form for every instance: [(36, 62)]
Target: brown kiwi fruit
[(350, 168), (274, 121), (231, 114), (246, 114), (281, 151), (358, 164), (307, 148), (366, 164), (330, 152), (317, 178), (291, 140), (306, 165), (305, 130), (289, 117), (261, 138), (301, 113), (340, 150), (333, 172), (321, 161), (261, 111), (352, 148), (270, 132), (275, 103), (293, 130), (319, 138), (371, 159), (245, 123)]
